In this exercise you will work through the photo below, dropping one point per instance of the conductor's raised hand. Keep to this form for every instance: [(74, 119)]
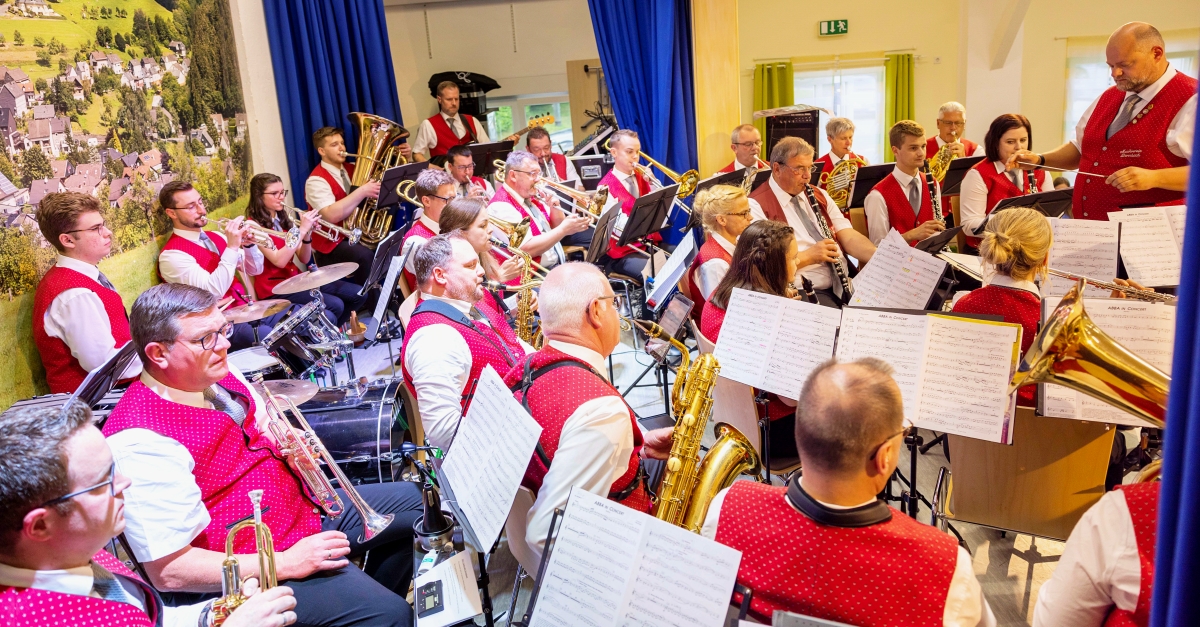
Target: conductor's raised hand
[(1023, 159)]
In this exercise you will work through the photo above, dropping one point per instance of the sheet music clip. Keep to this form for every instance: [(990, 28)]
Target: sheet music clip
[(104, 378), (865, 180), (952, 182), (648, 215), (485, 154), (393, 177), (936, 242)]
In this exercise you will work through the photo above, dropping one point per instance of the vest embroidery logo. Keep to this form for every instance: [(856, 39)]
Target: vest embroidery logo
[(1131, 153)]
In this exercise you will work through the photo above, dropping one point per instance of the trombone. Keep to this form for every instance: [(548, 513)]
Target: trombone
[(261, 235), (516, 231), (687, 181), (325, 228)]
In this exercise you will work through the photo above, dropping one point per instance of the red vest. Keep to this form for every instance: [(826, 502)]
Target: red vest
[(709, 251), (229, 462), (932, 147), (900, 213), (320, 243), (765, 197), (420, 230), (760, 164), (617, 189), (265, 282), (560, 165), (1000, 187), (502, 196), (827, 159), (552, 399), (1014, 305), (446, 139), (63, 372), (1142, 499), (33, 607), (1142, 143), (711, 321), (888, 574), (207, 260)]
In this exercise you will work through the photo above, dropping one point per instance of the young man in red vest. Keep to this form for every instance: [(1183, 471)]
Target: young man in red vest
[(207, 259), (518, 198), (434, 188), (903, 200), (193, 437), (328, 189), (951, 120), (1136, 136), (449, 128), (61, 501), (590, 437), (626, 183), (840, 134), (746, 142), (832, 549), (79, 319), (788, 198), (460, 163), (555, 166), (449, 340)]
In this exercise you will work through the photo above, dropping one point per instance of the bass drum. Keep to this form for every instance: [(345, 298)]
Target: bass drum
[(359, 431)]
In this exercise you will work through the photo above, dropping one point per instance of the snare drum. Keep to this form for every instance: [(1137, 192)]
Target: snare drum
[(255, 361), (359, 431)]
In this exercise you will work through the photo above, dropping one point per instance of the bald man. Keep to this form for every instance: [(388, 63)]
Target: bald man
[(590, 437), (833, 550), (1133, 145)]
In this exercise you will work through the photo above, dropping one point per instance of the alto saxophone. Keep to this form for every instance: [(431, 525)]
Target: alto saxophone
[(689, 484), (231, 575), (523, 319)]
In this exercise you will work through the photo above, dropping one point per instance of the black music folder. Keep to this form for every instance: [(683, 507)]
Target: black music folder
[(485, 154), (393, 177), (936, 242), (761, 178), (734, 178), (602, 234), (817, 168), (952, 182), (648, 215), (866, 179), (1052, 204)]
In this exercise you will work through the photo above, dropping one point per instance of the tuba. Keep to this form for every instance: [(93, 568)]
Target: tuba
[(377, 152), (231, 575), (689, 484)]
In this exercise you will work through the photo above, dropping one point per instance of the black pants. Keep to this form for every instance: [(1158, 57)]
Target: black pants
[(340, 297), (630, 265), (582, 238), (373, 596), (345, 251)]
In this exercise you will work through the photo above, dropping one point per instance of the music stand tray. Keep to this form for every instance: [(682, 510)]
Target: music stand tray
[(648, 214), (866, 179), (602, 235), (959, 167), (485, 154), (393, 177), (734, 178), (104, 378), (1052, 204)]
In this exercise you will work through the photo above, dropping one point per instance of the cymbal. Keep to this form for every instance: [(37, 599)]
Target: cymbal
[(299, 390), (257, 310), (312, 280)]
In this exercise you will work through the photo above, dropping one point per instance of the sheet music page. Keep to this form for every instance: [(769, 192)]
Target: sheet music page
[(612, 566), (1083, 247), (897, 338), (898, 276), (1177, 216), (488, 458), (1148, 247), (460, 595), (773, 343), (964, 377), (968, 263)]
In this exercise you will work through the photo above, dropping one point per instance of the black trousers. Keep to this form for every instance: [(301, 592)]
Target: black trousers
[(630, 265), (582, 238), (340, 297), (345, 251)]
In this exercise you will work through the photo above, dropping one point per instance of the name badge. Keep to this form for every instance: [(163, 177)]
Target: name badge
[(1131, 153)]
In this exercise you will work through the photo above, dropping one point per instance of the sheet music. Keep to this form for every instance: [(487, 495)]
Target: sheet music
[(773, 343), (1084, 247), (488, 458), (1148, 247), (1177, 216), (460, 596), (964, 378), (967, 263), (612, 566), (897, 338), (898, 276)]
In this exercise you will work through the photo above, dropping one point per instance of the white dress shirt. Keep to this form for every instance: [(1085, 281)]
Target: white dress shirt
[(819, 273), (834, 159), (79, 581), (875, 207), (758, 163), (507, 212), (416, 242), (712, 271), (1179, 133), (317, 192), (972, 200), (979, 151), (177, 266), (464, 189), (1099, 568), (965, 603), (77, 317), (163, 508), (427, 137), (593, 451), (1003, 280), (550, 172)]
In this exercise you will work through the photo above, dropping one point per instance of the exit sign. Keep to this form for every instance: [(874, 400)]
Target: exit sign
[(835, 27)]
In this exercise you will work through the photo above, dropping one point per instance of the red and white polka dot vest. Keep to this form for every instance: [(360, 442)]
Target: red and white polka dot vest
[(207, 260), (711, 320), (1142, 499), (420, 230), (891, 574), (229, 462), (63, 372), (33, 607), (709, 251)]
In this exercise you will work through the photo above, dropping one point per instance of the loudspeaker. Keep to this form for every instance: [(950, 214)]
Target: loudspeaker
[(803, 124)]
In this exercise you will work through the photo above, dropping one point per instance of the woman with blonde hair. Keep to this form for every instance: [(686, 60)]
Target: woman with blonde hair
[(725, 212)]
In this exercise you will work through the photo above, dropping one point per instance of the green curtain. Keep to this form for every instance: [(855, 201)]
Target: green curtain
[(898, 100), (774, 86)]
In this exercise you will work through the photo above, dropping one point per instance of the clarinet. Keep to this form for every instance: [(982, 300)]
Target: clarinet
[(934, 199), (839, 264), (1033, 189)]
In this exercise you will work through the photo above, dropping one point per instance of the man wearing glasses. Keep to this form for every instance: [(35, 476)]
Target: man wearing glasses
[(61, 501), (833, 550), (434, 188), (951, 122), (746, 143), (903, 200), (460, 163), (78, 317), (518, 198), (192, 436)]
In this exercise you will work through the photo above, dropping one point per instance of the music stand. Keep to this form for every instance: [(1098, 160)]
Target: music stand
[(952, 182), (101, 381), (485, 154), (602, 235), (866, 179), (388, 248), (759, 179), (472, 540), (734, 178), (393, 177), (1052, 204), (817, 168), (936, 242), (648, 214)]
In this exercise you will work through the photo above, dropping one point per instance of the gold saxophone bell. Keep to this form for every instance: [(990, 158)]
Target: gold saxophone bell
[(377, 152), (687, 181), (231, 576)]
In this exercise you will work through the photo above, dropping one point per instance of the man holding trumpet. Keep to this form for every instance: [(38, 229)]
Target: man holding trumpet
[(519, 197)]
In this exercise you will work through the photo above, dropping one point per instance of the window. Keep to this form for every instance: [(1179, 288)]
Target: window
[(513, 113), (854, 92)]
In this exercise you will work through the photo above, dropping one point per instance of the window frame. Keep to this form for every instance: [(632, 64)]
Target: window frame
[(870, 147)]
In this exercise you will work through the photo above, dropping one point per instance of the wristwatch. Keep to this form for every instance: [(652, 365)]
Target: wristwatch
[(1041, 159)]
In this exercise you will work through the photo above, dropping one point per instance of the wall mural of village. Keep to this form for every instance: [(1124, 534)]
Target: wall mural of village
[(112, 98)]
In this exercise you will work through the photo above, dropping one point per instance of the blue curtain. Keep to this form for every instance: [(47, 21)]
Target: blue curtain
[(1177, 556), (331, 57)]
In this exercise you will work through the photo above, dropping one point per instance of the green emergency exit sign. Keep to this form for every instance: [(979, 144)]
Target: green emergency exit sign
[(835, 27)]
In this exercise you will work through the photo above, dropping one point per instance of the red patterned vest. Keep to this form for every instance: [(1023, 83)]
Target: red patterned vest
[(229, 462), (1142, 499), (1014, 305), (207, 260), (711, 320), (1142, 143), (1000, 187), (560, 165), (932, 147), (446, 138), (711, 249), (617, 189), (33, 607), (900, 213), (760, 164), (827, 159), (63, 372), (321, 243), (836, 573), (265, 282), (552, 398), (502, 196), (420, 230)]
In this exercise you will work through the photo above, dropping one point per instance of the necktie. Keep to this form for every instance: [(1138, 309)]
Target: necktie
[(1015, 178), (547, 171), (631, 185), (814, 232), (475, 314), (103, 280), (464, 189), (1123, 116), (223, 402), (206, 242), (108, 587), (544, 227), (345, 181), (453, 123), (914, 195)]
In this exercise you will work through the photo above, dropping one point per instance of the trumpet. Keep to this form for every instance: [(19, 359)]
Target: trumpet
[(516, 231), (687, 181), (305, 448), (1131, 292), (325, 228), (231, 574), (261, 235)]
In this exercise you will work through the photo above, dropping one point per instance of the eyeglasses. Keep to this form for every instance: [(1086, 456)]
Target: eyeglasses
[(441, 198), (755, 144), (94, 229), (209, 341), (112, 473), (533, 174), (464, 167), (279, 194), (954, 124), (798, 169), (612, 300), (192, 207), (907, 425), (740, 214)]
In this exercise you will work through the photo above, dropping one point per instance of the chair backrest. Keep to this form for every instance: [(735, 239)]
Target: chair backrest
[(706, 345), (733, 402), (514, 528), (858, 219), (405, 311)]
